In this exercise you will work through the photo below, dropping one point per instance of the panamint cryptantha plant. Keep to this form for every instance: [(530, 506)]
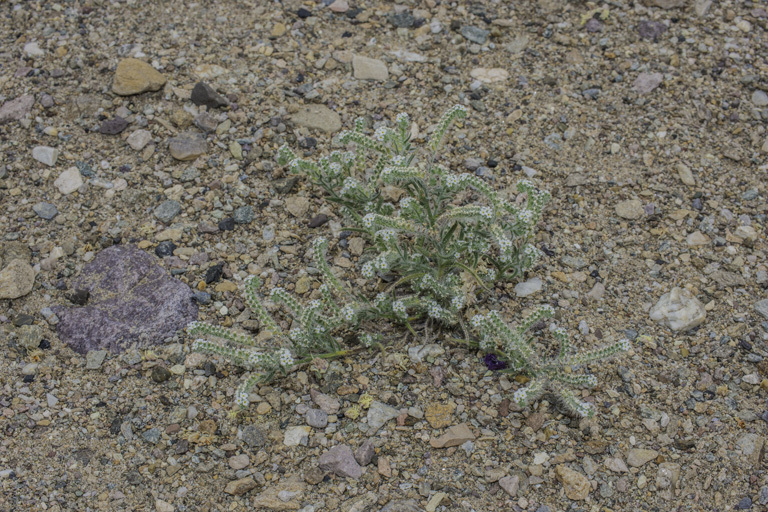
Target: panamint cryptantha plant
[(317, 331), (445, 229)]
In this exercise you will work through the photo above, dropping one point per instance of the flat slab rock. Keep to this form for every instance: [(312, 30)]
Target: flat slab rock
[(133, 303)]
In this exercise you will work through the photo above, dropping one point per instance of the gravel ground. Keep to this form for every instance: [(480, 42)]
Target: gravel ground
[(646, 121)]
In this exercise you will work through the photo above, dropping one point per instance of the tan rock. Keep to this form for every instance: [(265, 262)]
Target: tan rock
[(369, 69), (16, 280), (454, 436), (133, 76), (439, 415), (575, 484), (639, 456), (240, 487), (286, 495)]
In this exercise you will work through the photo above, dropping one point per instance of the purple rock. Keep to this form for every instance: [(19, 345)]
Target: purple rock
[(132, 303), (651, 29), (364, 453), (16, 109), (204, 94), (647, 82), (593, 26), (113, 126), (340, 461)]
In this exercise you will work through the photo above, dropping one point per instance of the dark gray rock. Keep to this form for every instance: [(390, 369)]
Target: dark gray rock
[(253, 436), (340, 461), (45, 210), (133, 303), (364, 453), (204, 94), (651, 29), (113, 126), (167, 210)]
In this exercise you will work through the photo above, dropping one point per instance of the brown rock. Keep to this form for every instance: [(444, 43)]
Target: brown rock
[(16, 280), (454, 436), (439, 415), (575, 484), (240, 487), (133, 76), (286, 495)]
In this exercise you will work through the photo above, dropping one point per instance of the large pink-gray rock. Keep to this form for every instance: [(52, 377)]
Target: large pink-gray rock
[(133, 303), (341, 461), (17, 108)]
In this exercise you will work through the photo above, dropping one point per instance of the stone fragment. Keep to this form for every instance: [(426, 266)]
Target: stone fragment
[(454, 436), (489, 76), (46, 211), (365, 68), (761, 307), (17, 108), (163, 506), (294, 436), (45, 155), (339, 6), (510, 485), (133, 76), (666, 4), (647, 82), (760, 98), (317, 117), (286, 495), (166, 211), (725, 279), (528, 287), (240, 487), (32, 49), (685, 174), (94, 359), (640, 456), (439, 415), (365, 452), (631, 209), (238, 462), (697, 239), (418, 353), (133, 302), (678, 310), (297, 206), (328, 404), (651, 29), (402, 506), (360, 503), (113, 126), (187, 146), (243, 214), (16, 279), (576, 485), (751, 446), (340, 461), (475, 34), (378, 415), (667, 475), (69, 181), (317, 418), (139, 139), (204, 94), (616, 465)]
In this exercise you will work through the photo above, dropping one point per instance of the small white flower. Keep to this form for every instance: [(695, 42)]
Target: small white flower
[(368, 270), (434, 310), (348, 157), (591, 381), (296, 333), (335, 168), (520, 396), (387, 171), (457, 302), (386, 234), (368, 220), (505, 244), (242, 399), (286, 359), (398, 160), (295, 164), (625, 345), (547, 309), (382, 263), (380, 298), (255, 358), (477, 321), (314, 304), (380, 133), (526, 216), (560, 331), (399, 308), (460, 108), (401, 117), (487, 212), (491, 274), (406, 202), (348, 312), (451, 181)]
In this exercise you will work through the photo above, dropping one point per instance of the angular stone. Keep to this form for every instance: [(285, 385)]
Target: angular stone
[(133, 302), (439, 415), (528, 287), (631, 209), (239, 461), (402, 506), (243, 215), (297, 206), (696, 239), (678, 310), (240, 487), (166, 211), (576, 485), (760, 98), (510, 485), (365, 68), (113, 126), (94, 359), (365, 452), (286, 495), (317, 418), (69, 181), (475, 34), (133, 76), (454, 436), (489, 76), (46, 211), (685, 174), (317, 117), (761, 307), (187, 146), (640, 456), (725, 279), (651, 29), (45, 155), (378, 415), (327, 403), (340, 461), (17, 108), (204, 94), (668, 475), (16, 279), (751, 446), (647, 82), (616, 465), (294, 436)]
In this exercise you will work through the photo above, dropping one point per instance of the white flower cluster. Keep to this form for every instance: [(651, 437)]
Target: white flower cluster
[(399, 308), (386, 172), (435, 311), (625, 345), (457, 302), (368, 270), (256, 358), (241, 399), (296, 334), (334, 168), (520, 396), (295, 165), (591, 381), (366, 339), (380, 134), (348, 313), (380, 299), (386, 235), (477, 321), (487, 212), (460, 108), (406, 202), (350, 184), (286, 359), (398, 160), (560, 331), (452, 181), (525, 216), (368, 220), (402, 117)]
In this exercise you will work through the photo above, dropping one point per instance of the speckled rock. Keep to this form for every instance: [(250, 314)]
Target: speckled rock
[(317, 117), (133, 302), (16, 280), (575, 484), (678, 310), (133, 76)]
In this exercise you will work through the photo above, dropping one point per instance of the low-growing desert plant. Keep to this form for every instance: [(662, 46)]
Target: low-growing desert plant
[(446, 229), (317, 332), (555, 373)]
